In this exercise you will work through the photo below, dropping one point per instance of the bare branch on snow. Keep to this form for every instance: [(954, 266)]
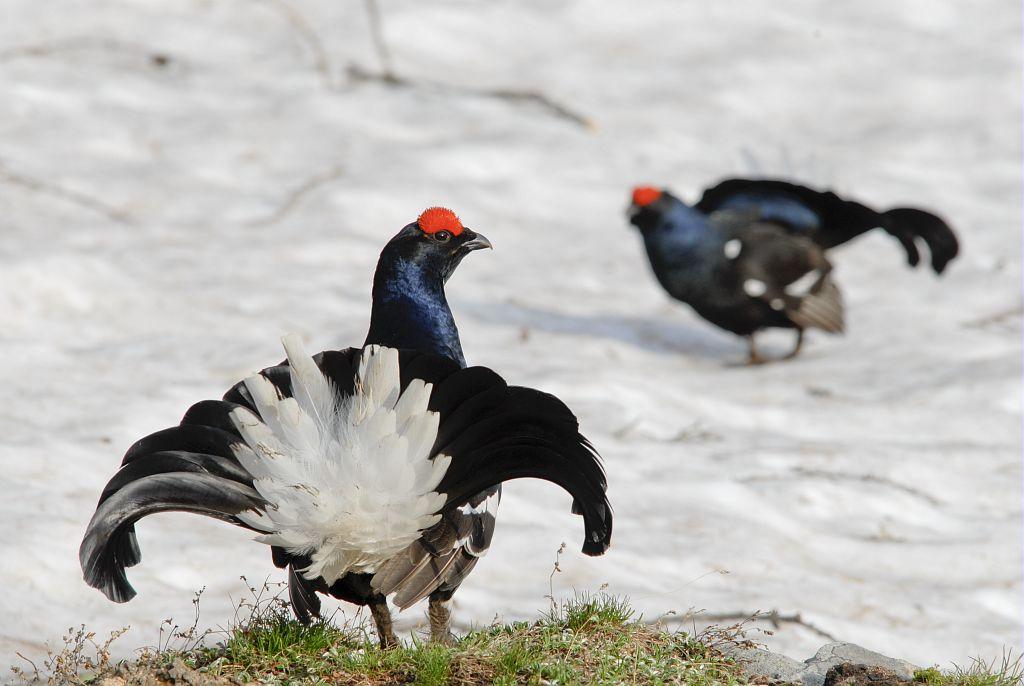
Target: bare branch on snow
[(298, 21), (532, 97), (379, 43), (839, 476), (293, 198), (387, 75), (67, 194), (997, 318), (76, 44)]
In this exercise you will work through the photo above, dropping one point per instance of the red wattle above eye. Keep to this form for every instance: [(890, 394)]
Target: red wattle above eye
[(437, 219), (645, 195)]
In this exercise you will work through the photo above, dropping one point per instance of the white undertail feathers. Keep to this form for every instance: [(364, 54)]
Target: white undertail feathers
[(349, 479)]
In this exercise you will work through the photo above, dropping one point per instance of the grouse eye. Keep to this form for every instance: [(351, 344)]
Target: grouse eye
[(442, 236)]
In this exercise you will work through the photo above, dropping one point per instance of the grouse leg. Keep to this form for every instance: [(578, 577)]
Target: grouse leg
[(755, 357), (382, 620), (799, 345), (440, 614)]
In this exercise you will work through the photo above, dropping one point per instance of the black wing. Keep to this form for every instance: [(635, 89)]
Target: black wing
[(788, 274)]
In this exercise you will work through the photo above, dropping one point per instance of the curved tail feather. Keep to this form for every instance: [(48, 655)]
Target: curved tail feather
[(495, 433), (186, 448), (190, 437), (908, 224), (102, 553), (529, 459), (302, 595), (509, 432), (169, 461)]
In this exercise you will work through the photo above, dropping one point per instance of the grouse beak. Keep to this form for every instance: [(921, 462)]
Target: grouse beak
[(475, 241)]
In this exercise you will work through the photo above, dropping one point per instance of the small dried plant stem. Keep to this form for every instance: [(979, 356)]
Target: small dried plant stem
[(379, 43)]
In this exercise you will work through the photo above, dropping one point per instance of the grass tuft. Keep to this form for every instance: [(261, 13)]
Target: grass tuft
[(1007, 671), (590, 639)]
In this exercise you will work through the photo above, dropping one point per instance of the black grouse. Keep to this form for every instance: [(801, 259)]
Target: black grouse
[(751, 253), (371, 472)]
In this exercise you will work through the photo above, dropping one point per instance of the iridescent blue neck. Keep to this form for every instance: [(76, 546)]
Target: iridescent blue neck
[(683, 248), (410, 310), (681, 230)]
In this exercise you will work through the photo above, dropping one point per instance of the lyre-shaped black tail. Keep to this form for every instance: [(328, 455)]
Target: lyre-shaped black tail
[(908, 224), (837, 220), (491, 431)]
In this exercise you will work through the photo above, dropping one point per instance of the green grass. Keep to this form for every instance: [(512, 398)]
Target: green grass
[(1008, 671), (588, 640), (591, 639)]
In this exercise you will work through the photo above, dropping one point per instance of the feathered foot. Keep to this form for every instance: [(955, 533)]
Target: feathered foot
[(440, 614), (382, 620), (798, 346)]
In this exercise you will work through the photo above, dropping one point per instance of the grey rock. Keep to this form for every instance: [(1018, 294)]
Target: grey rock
[(832, 654), (771, 666), (767, 665)]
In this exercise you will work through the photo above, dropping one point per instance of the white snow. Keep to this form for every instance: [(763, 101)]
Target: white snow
[(162, 226)]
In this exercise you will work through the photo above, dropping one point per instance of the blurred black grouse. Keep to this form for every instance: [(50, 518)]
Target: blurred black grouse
[(751, 254), (371, 472)]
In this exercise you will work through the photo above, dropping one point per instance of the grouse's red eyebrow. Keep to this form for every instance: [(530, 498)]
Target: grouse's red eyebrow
[(436, 219), (645, 195)]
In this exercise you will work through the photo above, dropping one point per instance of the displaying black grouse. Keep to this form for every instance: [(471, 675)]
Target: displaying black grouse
[(371, 472), (751, 253)]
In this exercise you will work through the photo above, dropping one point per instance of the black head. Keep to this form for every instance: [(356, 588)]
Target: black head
[(648, 207), (435, 243)]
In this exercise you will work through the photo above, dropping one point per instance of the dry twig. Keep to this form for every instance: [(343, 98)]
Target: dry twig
[(840, 476), (76, 44), (775, 618), (387, 75), (72, 196), (996, 318), (293, 198), (379, 43), (298, 21), (532, 97)]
